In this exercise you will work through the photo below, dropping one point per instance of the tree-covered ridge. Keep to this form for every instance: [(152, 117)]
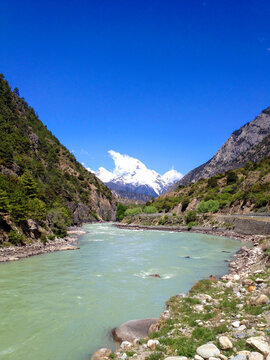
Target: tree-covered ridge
[(39, 178)]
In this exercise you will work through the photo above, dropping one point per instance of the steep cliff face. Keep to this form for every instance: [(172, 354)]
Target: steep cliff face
[(245, 144), (40, 180)]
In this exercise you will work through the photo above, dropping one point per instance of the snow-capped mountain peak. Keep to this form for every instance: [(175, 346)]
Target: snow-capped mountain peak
[(130, 175), (104, 175), (172, 176)]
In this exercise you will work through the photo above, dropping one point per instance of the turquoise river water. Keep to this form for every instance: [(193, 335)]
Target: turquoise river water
[(63, 305)]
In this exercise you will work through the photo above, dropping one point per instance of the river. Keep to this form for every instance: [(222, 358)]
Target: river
[(63, 305)]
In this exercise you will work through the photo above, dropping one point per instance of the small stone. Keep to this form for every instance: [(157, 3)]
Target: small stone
[(225, 343), (100, 354), (208, 350), (229, 284), (240, 357), (176, 358), (198, 308), (259, 300), (255, 356), (240, 306), (268, 357), (242, 328), (236, 324), (198, 357), (239, 335), (251, 288), (238, 316), (151, 344), (125, 345), (236, 277), (124, 356), (213, 358), (259, 343), (222, 357), (243, 352), (247, 282), (259, 281)]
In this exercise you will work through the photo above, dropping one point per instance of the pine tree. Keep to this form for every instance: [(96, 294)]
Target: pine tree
[(29, 185), (3, 200)]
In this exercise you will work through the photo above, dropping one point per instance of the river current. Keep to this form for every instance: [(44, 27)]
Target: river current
[(63, 305)]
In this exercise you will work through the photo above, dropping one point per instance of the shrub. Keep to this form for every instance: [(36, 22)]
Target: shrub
[(150, 209), (134, 211), (231, 177), (185, 204), (191, 216), (43, 238), (212, 182), (16, 237), (120, 212), (208, 206)]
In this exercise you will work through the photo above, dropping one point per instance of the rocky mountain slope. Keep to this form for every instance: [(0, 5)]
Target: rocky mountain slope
[(133, 180), (245, 144), (43, 188)]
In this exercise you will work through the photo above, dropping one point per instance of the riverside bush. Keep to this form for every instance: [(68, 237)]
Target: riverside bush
[(134, 211), (150, 209), (208, 206), (191, 216)]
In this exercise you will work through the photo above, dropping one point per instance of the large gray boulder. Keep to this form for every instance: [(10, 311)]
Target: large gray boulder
[(133, 329)]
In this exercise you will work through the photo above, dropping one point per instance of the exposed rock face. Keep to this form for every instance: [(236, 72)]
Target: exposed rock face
[(250, 143), (134, 329)]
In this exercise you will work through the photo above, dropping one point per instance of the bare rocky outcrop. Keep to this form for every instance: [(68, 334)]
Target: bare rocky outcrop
[(250, 143)]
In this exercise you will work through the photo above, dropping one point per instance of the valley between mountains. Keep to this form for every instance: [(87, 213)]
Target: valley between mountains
[(46, 195)]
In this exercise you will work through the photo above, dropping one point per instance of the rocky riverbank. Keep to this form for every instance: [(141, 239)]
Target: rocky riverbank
[(14, 253), (218, 319)]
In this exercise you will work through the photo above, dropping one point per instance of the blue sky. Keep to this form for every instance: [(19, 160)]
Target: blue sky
[(166, 82)]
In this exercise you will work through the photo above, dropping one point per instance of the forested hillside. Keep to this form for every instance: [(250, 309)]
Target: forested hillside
[(43, 189)]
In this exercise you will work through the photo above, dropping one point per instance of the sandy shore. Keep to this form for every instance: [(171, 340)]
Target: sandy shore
[(70, 242)]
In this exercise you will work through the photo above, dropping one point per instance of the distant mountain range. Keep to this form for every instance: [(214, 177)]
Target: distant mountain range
[(133, 180), (249, 143)]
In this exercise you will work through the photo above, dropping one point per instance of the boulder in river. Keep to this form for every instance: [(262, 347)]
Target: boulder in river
[(133, 329)]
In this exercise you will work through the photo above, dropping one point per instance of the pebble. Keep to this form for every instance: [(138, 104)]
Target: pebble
[(151, 344), (259, 343), (236, 324), (225, 343), (176, 358), (208, 350), (240, 357), (259, 300), (239, 335), (240, 306), (125, 345), (255, 356), (259, 281), (124, 356), (242, 328), (198, 357), (222, 357)]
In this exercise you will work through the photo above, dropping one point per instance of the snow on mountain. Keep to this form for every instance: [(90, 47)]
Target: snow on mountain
[(130, 175), (172, 176), (104, 175)]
